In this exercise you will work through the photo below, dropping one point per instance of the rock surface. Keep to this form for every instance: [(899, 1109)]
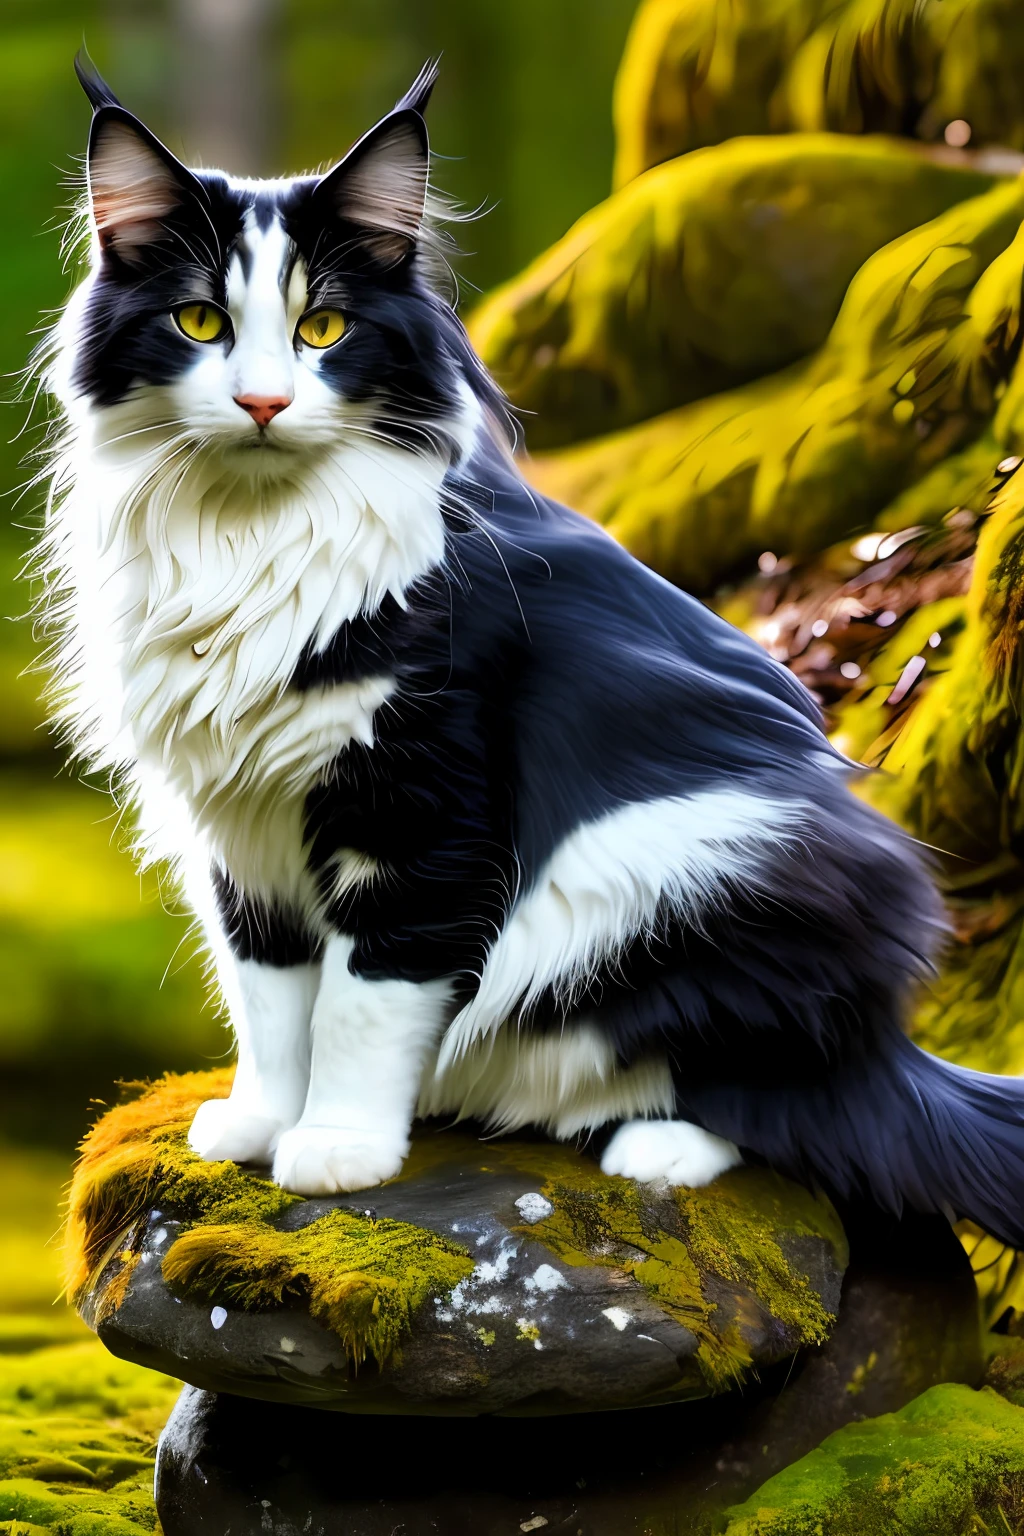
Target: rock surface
[(907, 1321), (514, 1275)]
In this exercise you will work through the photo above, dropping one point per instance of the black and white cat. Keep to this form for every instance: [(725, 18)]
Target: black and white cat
[(481, 817)]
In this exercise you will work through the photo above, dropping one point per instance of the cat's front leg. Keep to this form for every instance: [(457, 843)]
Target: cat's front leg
[(370, 1041), (271, 1007)]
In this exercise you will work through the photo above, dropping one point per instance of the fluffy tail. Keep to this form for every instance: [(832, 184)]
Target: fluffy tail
[(898, 1125)]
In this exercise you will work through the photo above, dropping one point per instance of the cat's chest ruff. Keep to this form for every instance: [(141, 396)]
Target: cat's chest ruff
[(246, 787)]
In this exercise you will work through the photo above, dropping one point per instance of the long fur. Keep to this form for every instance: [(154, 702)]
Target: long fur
[(488, 815)]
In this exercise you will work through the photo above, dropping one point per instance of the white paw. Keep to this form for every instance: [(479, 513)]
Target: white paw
[(328, 1159), (668, 1152), (223, 1130)]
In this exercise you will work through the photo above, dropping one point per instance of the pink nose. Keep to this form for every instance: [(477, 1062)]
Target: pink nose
[(262, 408)]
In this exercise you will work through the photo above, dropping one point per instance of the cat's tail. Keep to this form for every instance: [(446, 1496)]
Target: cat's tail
[(897, 1124)]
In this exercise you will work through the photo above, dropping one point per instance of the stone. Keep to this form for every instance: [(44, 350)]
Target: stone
[(491, 1277), (908, 1320)]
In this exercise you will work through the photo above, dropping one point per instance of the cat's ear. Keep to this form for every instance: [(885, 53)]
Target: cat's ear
[(93, 83), (381, 185), (135, 184)]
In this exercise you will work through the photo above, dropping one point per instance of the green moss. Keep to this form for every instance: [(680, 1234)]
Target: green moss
[(795, 461), (362, 1278), (696, 72), (124, 1510), (85, 1381), (705, 273), (963, 479), (78, 1432), (698, 1245), (952, 1461)]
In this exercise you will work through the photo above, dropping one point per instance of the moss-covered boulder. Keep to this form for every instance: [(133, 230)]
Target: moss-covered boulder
[(487, 1277), (707, 272), (914, 370), (951, 1461), (697, 72), (905, 1323)]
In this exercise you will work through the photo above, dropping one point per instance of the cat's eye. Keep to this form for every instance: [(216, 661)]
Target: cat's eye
[(321, 327), (201, 322)]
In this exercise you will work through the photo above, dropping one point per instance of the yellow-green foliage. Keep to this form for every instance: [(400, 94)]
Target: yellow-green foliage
[(697, 72), (363, 1279), (733, 1232), (724, 265), (82, 956), (964, 479), (961, 751), (952, 1461), (909, 373), (953, 777)]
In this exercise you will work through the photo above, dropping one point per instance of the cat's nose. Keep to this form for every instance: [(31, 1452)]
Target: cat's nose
[(263, 408)]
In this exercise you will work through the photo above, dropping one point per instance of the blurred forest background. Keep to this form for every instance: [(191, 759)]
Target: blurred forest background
[(97, 980)]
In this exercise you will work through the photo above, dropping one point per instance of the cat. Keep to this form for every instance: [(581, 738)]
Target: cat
[(481, 818)]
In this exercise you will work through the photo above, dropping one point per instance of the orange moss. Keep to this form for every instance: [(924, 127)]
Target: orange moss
[(119, 1162), (364, 1279)]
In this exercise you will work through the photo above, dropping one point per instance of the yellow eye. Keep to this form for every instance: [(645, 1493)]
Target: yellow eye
[(201, 322), (322, 328)]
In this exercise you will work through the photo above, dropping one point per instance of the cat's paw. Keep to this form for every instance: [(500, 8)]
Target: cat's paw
[(223, 1130), (330, 1159), (668, 1152)]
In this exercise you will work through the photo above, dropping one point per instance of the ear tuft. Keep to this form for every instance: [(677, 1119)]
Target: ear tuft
[(93, 83), (135, 184), (418, 94), (381, 185)]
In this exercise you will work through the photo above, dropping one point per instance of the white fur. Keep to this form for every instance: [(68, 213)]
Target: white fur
[(195, 565), (608, 882), (370, 1042), (271, 1020), (189, 562), (668, 1152), (564, 1081), (262, 361)]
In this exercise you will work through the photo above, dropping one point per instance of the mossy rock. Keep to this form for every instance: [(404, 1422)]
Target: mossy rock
[(908, 1320), (915, 369), (951, 1461), (707, 272), (697, 72), (501, 1276)]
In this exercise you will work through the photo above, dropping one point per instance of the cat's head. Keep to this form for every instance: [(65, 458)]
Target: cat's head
[(262, 321)]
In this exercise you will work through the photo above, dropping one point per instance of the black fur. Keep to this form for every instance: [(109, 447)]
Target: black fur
[(544, 678), (405, 350)]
